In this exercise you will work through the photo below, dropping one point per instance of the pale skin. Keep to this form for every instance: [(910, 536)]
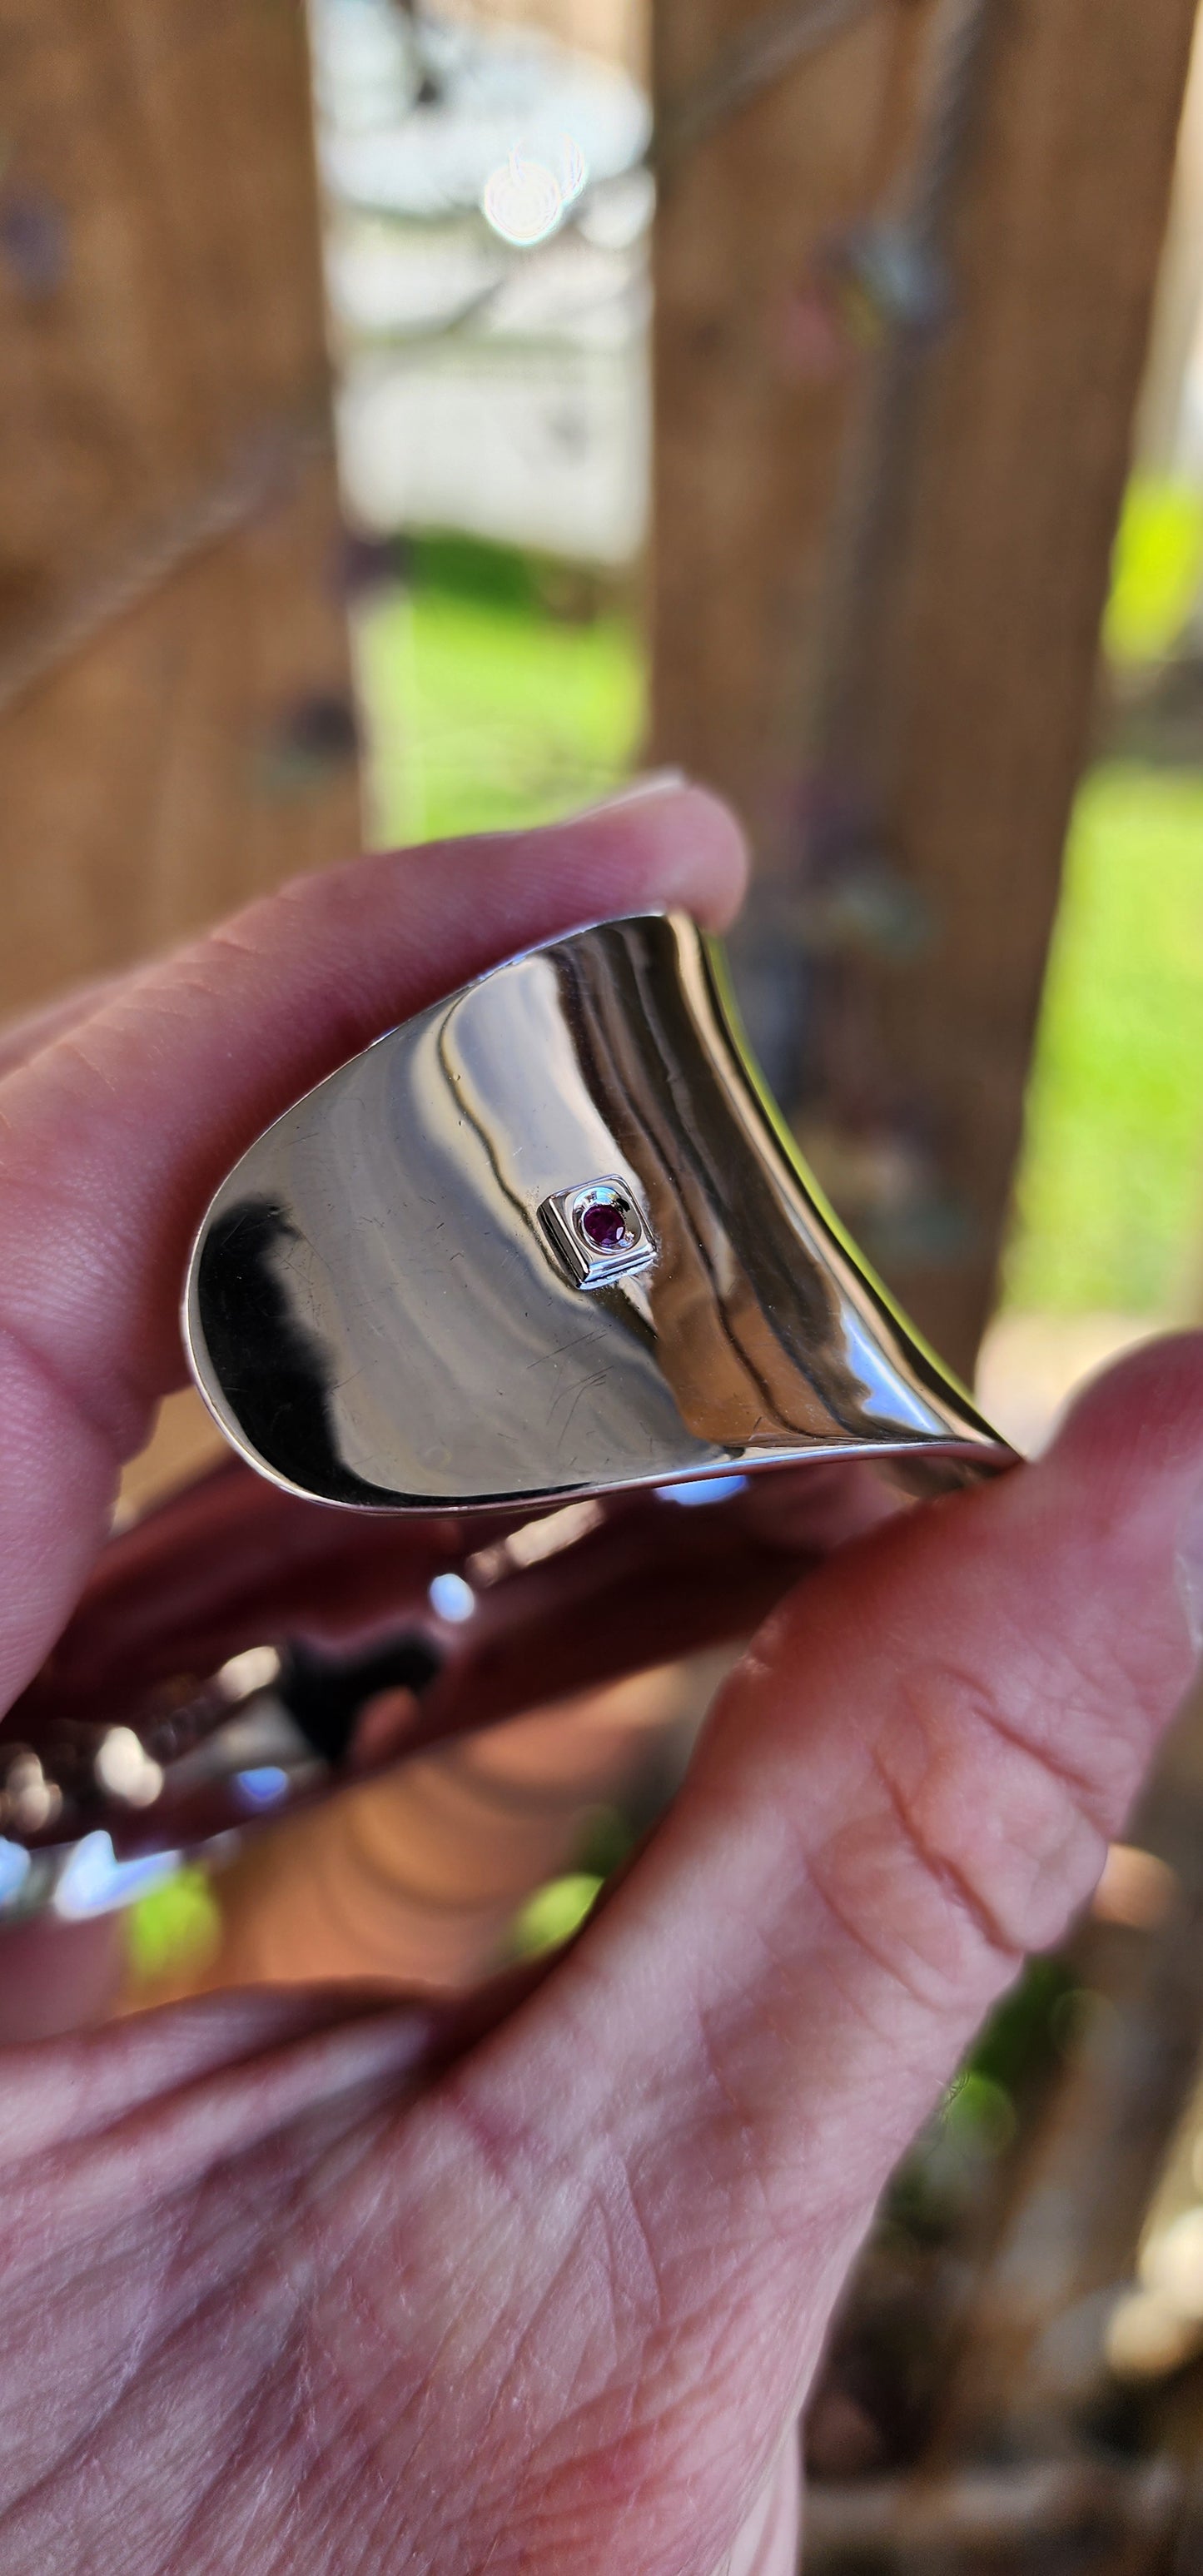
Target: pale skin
[(311, 2283)]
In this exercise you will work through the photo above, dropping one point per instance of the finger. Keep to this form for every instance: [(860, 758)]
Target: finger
[(26, 1035), (912, 1781), (114, 1137), (57, 1977)]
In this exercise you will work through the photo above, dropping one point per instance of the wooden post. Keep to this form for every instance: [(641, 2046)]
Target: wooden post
[(750, 418), (175, 726), (985, 614)]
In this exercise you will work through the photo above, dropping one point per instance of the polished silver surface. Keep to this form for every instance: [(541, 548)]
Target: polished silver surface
[(394, 1302), (537, 1286)]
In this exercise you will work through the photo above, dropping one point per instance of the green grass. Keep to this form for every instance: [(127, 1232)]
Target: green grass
[(555, 1912), (174, 1930), (1110, 1191), (1156, 568), (485, 710)]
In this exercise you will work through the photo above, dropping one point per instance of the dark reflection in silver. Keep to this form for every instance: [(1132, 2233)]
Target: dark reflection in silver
[(378, 1313)]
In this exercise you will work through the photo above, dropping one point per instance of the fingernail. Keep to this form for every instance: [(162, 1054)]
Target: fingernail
[(654, 782), (1188, 1567)]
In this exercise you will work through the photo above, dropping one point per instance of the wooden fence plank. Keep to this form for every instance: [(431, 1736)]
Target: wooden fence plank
[(748, 437), (175, 726)]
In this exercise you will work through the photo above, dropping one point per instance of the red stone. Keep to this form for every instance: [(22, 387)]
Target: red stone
[(604, 1226)]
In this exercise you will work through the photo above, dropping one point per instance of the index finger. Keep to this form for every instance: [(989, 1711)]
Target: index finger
[(112, 1139)]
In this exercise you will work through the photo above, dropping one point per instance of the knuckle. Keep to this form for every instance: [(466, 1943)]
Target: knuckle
[(993, 1805)]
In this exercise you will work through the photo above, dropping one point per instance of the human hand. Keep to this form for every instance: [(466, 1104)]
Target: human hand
[(313, 2283)]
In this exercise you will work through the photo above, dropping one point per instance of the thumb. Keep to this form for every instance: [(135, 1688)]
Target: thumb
[(911, 1780), (913, 1777)]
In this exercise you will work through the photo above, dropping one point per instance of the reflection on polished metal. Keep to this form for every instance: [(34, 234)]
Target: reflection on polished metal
[(519, 1286), (383, 1306)]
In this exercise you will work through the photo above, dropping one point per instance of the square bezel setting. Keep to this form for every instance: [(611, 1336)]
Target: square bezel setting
[(597, 1231)]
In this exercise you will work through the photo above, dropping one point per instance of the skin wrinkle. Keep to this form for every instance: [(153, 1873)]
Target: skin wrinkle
[(285, 2516), (111, 2274), (220, 2263), (267, 2402), (698, 2340), (32, 1189), (107, 2434), (514, 2150), (541, 2326), (838, 1972), (349, 2433), (291, 2198), (72, 1051), (815, 1865), (346, 1030), (756, 2145), (352, 2531), (633, 2293), (736, 2118), (758, 2216), (290, 2202), (202, 2128), (1049, 1761), (1029, 1841), (952, 1883), (26, 1036), (434, 2358), (946, 1696), (122, 1422), (785, 1946), (1100, 1805), (618, 2329), (426, 2375), (180, 2325), (570, 2310), (362, 2550), (35, 1365), (537, 2318), (649, 2480), (106, 2076), (846, 1914), (340, 2417), (363, 2451)]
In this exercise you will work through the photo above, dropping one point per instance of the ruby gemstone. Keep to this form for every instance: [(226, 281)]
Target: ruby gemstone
[(604, 1226)]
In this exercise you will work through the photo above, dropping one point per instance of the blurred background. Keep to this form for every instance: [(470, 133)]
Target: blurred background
[(415, 420)]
